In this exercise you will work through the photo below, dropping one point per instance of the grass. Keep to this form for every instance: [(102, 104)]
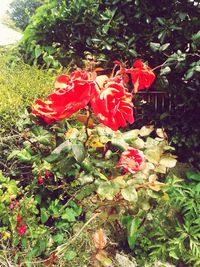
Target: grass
[(20, 84)]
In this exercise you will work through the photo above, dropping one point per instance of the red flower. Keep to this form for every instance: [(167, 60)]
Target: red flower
[(41, 180), (18, 218), (132, 160), (21, 229), (113, 105), (72, 93), (142, 76)]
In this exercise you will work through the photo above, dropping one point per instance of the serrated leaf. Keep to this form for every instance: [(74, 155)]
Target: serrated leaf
[(24, 156)]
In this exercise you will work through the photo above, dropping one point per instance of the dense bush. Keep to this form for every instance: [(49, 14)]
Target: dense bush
[(22, 10), (158, 31)]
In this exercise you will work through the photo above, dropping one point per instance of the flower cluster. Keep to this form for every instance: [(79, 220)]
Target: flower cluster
[(109, 98)]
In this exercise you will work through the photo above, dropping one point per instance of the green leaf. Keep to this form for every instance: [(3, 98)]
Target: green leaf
[(129, 194), (120, 143), (138, 143), (164, 46), (193, 175), (58, 238), (44, 215), (153, 154), (24, 156), (38, 51), (69, 215), (165, 70), (70, 255), (155, 46), (133, 231), (78, 151), (130, 135), (107, 190)]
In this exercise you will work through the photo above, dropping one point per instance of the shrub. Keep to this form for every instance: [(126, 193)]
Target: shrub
[(63, 165), (22, 10), (158, 31)]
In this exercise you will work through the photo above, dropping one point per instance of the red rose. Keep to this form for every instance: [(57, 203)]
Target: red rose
[(21, 229), (72, 95), (132, 160), (142, 76), (113, 105)]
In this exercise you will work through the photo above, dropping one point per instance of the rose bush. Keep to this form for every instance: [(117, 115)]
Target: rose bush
[(69, 164)]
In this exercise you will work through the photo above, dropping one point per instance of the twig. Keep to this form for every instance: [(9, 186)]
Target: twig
[(62, 247)]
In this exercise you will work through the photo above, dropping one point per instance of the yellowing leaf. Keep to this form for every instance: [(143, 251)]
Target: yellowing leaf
[(94, 143), (146, 130), (100, 239), (168, 161), (72, 133), (161, 133), (153, 178)]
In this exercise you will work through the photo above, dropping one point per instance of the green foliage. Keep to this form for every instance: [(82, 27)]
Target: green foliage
[(61, 170), (172, 230), (20, 84), (22, 10), (158, 31)]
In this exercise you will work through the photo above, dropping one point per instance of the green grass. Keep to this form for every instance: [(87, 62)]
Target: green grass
[(20, 84)]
